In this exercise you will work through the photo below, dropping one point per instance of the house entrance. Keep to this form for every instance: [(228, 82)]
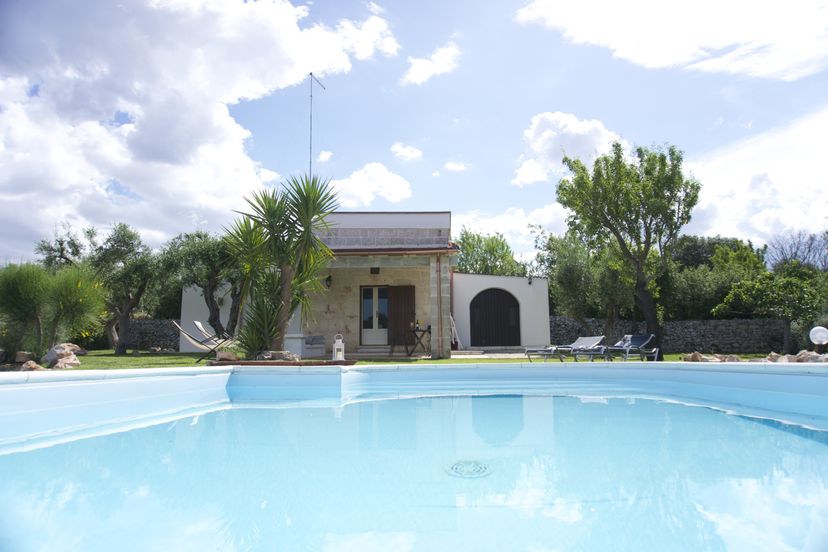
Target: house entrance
[(387, 314), (374, 316)]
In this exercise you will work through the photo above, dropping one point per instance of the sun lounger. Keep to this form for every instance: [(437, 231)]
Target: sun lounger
[(633, 345), (582, 347), (224, 337), (207, 344)]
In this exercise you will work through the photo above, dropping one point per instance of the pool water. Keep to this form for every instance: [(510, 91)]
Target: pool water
[(534, 473)]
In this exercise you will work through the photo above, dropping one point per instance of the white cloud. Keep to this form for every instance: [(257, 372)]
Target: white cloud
[(375, 8), (363, 39), (435, 174), (361, 188), (784, 510), (514, 223), (765, 185), (454, 166), (134, 126), (529, 172), (552, 135), (406, 153), (442, 60), (781, 40), (324, 156)]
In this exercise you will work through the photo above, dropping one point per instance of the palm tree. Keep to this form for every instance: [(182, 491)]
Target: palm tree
[(278, 248)]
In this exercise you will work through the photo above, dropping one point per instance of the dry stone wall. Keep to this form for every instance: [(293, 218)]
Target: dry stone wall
[(144, 334), (684, 336)]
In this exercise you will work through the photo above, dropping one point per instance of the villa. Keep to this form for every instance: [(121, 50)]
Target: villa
[(392, 286)]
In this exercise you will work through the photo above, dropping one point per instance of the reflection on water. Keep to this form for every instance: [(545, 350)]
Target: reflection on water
[(497, 421), (565, 475)]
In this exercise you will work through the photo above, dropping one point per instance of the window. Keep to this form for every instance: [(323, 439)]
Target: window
[(367, 308)]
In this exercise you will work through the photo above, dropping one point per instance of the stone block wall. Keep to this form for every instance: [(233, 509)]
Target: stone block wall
[(144, 334), (337, 310), (685, 336), (440, 306), (384, 238)]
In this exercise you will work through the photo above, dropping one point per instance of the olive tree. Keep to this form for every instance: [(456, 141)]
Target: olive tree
[(126, 267), (641, 204), (202, 260)]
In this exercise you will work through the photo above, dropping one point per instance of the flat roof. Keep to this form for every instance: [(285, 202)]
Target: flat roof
[(390, 219)]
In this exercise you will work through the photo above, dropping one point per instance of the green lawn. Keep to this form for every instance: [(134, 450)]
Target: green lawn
[(107, 360)]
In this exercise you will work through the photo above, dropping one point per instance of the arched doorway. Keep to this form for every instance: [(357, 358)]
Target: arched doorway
[(495, 319)]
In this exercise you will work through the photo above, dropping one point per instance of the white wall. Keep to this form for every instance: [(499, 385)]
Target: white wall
[(532, 298), (194, 308)]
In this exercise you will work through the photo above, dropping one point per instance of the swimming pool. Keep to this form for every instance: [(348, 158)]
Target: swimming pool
[(487, 457)]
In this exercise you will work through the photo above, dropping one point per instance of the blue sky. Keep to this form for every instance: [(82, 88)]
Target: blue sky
[(165, 114)]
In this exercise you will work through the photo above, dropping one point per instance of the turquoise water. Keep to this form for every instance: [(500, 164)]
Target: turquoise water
[(558, 473)]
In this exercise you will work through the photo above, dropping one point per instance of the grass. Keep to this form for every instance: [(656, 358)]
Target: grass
[(108, 360)]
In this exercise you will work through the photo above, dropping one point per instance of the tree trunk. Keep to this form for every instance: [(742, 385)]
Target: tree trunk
[(53, 332), (285, 297), (125, 315), (111, 332), (39, 334), (787, 344), (123, 332), (610, 318), (645, 302), (214, 316), (235, 309), (581, 320)]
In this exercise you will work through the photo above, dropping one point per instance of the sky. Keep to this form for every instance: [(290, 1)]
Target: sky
[(166, 114)]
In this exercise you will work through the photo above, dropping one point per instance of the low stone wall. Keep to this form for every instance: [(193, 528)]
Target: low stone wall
[(684, 336), (144, 334)]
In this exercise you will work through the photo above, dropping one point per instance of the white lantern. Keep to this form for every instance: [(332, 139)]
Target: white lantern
[(819, 335), (338, 348)]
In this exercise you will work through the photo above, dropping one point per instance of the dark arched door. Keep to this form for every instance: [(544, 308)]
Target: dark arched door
[(495, 319)]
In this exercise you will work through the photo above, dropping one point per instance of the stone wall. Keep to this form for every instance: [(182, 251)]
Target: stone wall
[(684, 336), (144, 334), (337, 310), (385, 238)]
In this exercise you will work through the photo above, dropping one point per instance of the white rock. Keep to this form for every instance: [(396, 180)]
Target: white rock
[(31, 365), (60, 351), (69, 361)]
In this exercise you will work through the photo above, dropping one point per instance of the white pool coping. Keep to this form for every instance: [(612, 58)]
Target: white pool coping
[(799, 368)]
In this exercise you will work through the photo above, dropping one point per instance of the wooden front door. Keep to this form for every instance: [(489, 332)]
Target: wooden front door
[(495, 319), (401, 315)]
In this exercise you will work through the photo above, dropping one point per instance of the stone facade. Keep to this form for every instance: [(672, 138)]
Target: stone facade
[(440, 305), (684, 336), (144, 334), (337, 310)]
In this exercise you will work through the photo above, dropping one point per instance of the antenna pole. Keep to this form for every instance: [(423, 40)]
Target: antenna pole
[(310, 141), (311, 79)]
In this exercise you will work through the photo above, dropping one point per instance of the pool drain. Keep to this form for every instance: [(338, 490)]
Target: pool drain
[(469, 469)]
